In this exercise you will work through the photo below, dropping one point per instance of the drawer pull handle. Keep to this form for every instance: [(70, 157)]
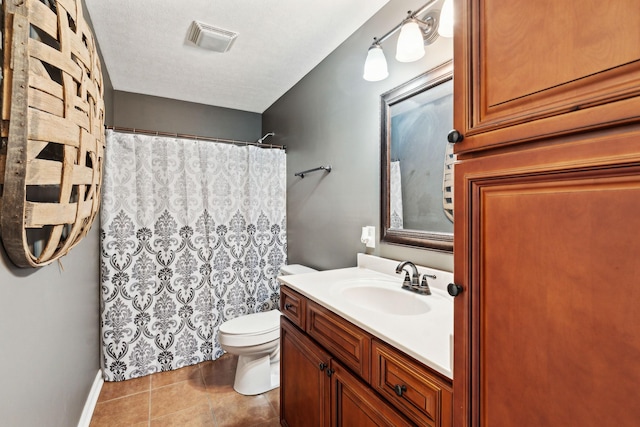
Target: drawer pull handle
[(288, 306), (322, 366), (400, 389)]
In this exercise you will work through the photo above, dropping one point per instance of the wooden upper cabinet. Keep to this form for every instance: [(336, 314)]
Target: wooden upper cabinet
[(527, 70)]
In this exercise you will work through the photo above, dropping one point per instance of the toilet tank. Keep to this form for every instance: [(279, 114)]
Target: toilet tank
[(287, 270)]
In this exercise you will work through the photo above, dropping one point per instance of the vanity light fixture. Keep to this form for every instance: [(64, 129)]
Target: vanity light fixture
[(410, 42), (375, 67), (445, 29), (415, 33)]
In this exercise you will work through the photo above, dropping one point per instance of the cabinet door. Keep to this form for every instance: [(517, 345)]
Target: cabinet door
[(304, 384), (547, 252), (532, 69), (354, 404)]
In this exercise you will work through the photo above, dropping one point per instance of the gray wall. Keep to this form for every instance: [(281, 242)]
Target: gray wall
[(49, 332), (332, 117), (49, 337), (132, 110)]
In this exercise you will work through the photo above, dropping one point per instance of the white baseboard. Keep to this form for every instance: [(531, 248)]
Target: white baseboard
[(92, 399)]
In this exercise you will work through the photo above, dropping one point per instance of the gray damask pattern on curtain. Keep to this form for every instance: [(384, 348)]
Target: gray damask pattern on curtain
[(192, 234)]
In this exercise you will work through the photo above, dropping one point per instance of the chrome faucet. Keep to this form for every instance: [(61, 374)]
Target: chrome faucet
[(415, 277), (413, 283)]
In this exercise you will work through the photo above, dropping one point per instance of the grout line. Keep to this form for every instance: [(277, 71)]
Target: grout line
[(205, 387), (212, 413), (150, 390)]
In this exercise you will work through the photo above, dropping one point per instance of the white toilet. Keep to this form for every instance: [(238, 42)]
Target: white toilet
[(255, 338)]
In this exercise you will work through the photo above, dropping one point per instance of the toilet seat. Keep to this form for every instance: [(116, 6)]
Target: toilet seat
[(252, 329)]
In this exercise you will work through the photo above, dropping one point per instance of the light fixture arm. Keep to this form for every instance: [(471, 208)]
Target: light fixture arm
[(377, 41), (425, 23)]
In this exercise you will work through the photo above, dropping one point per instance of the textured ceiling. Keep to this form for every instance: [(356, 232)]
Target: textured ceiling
[(145, 47)]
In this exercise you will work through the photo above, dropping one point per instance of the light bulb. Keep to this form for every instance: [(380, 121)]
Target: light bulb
[(375, 66), (410, 42), (445, 28)]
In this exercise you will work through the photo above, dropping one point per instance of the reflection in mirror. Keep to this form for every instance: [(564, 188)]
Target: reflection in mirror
[(417, 161)]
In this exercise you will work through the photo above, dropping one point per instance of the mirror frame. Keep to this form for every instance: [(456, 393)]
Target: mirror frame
[(425, 239)]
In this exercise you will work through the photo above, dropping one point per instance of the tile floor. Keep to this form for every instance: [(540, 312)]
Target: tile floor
[(198, 395)]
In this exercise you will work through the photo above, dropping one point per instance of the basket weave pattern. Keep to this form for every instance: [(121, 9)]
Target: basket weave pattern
[(52, 130)]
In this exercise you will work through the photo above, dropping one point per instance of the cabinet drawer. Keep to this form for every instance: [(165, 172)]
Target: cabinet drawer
[(411, 387), (349, 343), (292, 305)]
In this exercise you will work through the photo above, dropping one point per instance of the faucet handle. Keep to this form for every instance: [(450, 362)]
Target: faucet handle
[(406, 283), (424, 285)]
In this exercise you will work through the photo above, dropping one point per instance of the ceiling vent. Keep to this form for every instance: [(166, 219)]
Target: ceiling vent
[(211, 38)]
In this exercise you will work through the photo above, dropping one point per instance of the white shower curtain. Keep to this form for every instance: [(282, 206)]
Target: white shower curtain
[(395, 195), (192, 234)]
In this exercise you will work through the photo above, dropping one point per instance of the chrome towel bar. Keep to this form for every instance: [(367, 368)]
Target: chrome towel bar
[(326, 168)]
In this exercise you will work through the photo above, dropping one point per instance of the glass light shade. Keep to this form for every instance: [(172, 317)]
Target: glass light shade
[(410, 42), (445, 28), (375, 66)]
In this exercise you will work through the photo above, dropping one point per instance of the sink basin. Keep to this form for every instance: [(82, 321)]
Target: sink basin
[(382, 298)]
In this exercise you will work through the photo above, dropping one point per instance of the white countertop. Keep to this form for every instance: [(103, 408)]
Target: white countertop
[(427, 337)]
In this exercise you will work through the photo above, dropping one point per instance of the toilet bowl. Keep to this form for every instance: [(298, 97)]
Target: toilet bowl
[(255, 339)]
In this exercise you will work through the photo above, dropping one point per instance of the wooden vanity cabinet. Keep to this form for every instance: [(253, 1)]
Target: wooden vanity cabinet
[(526, 70), (547, 213), (327, 377)]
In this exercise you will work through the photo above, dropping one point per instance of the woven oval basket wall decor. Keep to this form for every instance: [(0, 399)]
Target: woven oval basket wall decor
[(52, 130)]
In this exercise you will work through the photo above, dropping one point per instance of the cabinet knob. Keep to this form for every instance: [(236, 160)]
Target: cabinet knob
[(454, 136), (400, 388), (454, 289), (322, 366), (288, 306), (330, 372)]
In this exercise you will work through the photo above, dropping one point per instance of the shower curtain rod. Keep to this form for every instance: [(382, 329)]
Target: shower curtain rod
[(258, 143)]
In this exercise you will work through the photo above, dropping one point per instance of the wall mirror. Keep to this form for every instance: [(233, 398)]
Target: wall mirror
[(417, 161)]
